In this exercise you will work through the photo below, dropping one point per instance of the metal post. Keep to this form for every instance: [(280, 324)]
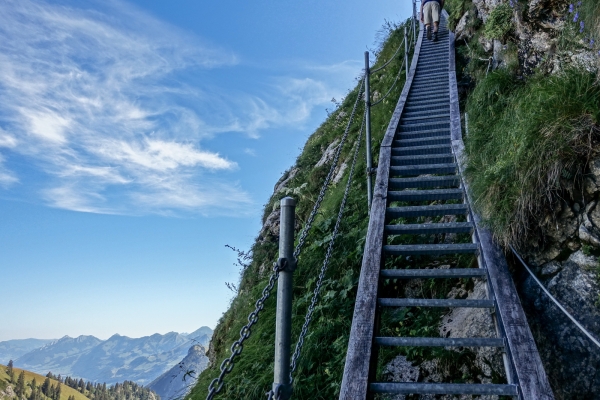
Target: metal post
[(368, 130), (406, 53), (414, 26), (283, 324)]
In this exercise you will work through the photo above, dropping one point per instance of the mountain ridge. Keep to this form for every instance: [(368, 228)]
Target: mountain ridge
[(116, 359)]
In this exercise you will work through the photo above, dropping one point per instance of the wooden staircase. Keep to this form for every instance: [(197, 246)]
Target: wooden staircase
[(418, 181)]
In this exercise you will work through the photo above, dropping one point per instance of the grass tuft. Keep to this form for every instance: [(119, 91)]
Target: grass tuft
[(524, 140)]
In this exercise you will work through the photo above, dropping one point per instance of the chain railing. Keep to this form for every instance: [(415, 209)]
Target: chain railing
[(237, 347), (327, 259)]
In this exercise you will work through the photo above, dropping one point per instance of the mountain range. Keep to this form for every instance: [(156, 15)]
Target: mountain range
[(116, 359)]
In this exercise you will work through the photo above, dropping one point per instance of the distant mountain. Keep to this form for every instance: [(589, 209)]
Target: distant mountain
[(13, 349), (176, 382), (116, 359)]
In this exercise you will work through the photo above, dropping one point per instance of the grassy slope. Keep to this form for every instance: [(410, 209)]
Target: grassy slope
[(321, 364), (65, 390)]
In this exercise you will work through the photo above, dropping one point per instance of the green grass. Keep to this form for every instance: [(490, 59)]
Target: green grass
[(65, 393), (321, 363), (528, 141)]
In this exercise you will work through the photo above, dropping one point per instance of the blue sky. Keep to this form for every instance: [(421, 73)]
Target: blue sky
[(137, 138)]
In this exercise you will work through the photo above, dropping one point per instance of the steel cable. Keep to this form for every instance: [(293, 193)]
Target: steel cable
[(327, 259), (392, 87), (581, 327), (372, 71)]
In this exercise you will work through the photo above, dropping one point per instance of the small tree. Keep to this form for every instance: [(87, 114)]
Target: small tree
[(10, 371), (46, 387), (57, 391), (34, 390), (20, 388)]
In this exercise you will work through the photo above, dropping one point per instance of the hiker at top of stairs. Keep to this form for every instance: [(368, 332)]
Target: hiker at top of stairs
[(430, 13)]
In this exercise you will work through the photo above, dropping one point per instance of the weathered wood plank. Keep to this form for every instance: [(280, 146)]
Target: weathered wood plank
[(525, 359), (356, 370)]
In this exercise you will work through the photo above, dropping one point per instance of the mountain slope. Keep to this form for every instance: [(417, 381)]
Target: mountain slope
[(66, 391), (176, 382)]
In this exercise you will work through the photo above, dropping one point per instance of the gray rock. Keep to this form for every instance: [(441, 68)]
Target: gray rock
[(284, 180), (461, 30), (400, 370), (551, 268), (340, 173), (328, 154), (587, 236)]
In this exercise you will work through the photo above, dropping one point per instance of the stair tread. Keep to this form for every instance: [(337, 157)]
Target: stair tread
[(439, 342), (444, 388), (436, 303), (424, 229), (423, 166), (431, 249), (433, 273)]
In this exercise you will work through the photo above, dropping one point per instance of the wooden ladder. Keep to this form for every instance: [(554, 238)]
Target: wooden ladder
[(419, 168)]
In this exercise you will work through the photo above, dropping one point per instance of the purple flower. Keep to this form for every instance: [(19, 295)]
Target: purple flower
[(576, 17), (570, 8), (578, 4), (581, 26), (592, 41)]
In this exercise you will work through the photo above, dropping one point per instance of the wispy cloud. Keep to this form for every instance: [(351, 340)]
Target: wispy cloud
[(84, 96), (93, 96)]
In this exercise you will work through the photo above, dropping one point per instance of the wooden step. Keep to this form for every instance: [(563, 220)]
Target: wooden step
[(424, 182), (433, 273), (429, 229), (436, 303), (421, 150), (443, 388), (438, 342), (426, 211), (430, 249)]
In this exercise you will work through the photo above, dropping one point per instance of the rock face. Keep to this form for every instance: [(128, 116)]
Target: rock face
[(537, 27), (571, 360), (567, 264), (177, 382)]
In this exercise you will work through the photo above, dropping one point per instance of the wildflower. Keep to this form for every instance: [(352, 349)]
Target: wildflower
[(578, 4), (570, 8), (592, 41), (576, 17), (581, 26)]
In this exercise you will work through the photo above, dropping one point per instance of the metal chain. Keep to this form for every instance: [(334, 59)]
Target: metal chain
[(328, 255), (395, 54), (317, 205), (236, 348), (391, 88), (388, 61)]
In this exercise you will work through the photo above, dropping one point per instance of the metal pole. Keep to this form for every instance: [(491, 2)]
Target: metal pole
[(406, 53), (414, 21), (283, 324), (368, 135)]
